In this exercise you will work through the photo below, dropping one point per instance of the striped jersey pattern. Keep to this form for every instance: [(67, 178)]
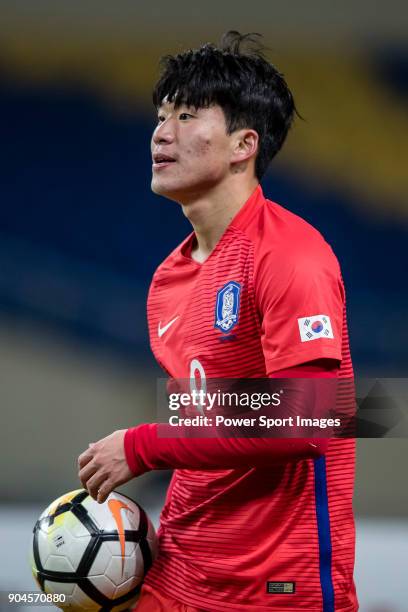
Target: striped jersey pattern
[(225, 535)]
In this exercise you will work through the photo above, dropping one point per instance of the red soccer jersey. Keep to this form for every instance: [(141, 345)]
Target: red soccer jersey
[(269, 297)]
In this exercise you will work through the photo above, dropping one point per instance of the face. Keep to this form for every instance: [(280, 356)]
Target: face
[(191, 151)]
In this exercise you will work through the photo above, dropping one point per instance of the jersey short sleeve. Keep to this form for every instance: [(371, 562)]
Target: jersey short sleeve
[(300, 298)]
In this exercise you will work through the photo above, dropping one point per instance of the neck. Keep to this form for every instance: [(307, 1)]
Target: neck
[(212, 212)]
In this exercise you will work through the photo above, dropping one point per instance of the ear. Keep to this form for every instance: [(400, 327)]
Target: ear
[(245, 145)]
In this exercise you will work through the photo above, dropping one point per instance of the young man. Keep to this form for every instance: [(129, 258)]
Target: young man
[(248, 524)]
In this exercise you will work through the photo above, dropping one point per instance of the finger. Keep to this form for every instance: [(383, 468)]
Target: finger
[(93, 485), (85, 458), (104, 490), (86, 473)]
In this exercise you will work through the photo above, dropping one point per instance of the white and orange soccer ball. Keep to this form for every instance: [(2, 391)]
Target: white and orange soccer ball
[(93, 556)]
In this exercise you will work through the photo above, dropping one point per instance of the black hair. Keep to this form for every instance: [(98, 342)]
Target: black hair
[(236, 76)]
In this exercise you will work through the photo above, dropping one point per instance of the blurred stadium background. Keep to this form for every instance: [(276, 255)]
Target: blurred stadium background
[(81, 234)]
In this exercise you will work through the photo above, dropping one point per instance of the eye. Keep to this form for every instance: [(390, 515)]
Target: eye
[(184, 116), (160, 118)]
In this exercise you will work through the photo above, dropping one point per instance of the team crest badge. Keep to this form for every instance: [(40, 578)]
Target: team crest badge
[(227, 306)]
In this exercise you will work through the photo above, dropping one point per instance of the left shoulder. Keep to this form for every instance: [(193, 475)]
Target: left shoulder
[(286, 243)]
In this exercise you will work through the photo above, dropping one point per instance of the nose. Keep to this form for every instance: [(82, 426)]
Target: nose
[(164, 133)]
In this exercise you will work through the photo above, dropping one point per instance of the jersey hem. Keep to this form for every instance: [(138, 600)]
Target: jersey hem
[(210, 605)]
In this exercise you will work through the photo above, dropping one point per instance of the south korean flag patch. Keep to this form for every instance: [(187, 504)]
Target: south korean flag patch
[(314, 327)]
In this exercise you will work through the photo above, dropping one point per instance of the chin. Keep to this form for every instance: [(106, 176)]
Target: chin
[(157, 187), (161, 190), (171, 192)]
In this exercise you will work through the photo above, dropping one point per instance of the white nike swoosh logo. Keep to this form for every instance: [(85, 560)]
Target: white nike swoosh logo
[(162, 330)]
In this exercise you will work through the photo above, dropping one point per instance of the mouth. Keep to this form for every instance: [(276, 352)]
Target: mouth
[(160, 160)]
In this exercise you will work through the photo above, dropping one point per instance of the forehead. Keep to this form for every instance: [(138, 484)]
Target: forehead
[(213, 111)]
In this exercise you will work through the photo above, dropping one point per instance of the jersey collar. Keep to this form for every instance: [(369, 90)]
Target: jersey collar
[(240, 221), (247, 210)]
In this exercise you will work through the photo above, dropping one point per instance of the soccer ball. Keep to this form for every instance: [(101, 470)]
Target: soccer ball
[(94, 556)]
